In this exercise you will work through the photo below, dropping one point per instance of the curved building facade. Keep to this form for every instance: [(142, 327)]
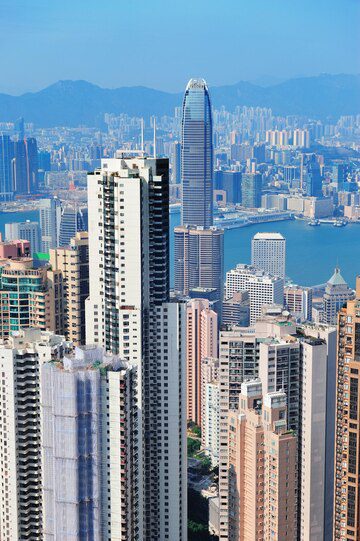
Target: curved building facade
[(197, 156)]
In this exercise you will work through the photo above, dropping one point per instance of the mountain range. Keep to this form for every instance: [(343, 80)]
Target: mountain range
[(74, 103)]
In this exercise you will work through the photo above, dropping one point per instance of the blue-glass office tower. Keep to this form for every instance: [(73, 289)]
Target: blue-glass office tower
[(310, 175), (197, 156), (251, 190), (6, 156)]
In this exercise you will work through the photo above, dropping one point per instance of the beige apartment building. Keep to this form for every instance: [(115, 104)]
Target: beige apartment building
[(201, 343), (262, 467), (73, 263), (347, 431)]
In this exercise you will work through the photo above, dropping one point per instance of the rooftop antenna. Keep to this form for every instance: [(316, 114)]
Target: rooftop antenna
[(154, 137), (142, 135)]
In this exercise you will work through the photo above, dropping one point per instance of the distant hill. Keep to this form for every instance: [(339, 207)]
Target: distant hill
[(74, 103)]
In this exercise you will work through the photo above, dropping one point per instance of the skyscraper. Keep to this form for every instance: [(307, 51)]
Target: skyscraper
[(128, 313), (197, 156), (201, 342), (29, 297), (72, 262), (337, 293), (6, 179), (25, 166), (25, 231), (347, 450), (199, 259), (268, 252), (20, 438), (50, 217), (90, 482), (310, 175), (73, 219), (262, 462), (251, 190), (176, 163)]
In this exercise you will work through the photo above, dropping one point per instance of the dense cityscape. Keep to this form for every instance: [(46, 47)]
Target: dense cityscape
[(180, 312)]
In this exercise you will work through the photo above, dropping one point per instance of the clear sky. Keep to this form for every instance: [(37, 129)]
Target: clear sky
[(162, 43)]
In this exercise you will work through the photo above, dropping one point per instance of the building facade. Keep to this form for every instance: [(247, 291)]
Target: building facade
[(197, 156), (347, 450), (268, 253), (337, 293), (92, 398), (262, 467), (128, 314), (50, 217), (27, 231), (72, 263), (21, 356), (201, 343), (199, 259)]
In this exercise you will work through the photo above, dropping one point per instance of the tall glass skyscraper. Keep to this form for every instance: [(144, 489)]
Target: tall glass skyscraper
[(197, 156)]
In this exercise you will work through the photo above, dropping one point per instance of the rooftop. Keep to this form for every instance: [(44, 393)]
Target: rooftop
[(337, 279), (268, 236)]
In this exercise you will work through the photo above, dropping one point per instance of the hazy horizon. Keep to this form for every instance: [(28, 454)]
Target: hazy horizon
[(161, 45), (261, 81)]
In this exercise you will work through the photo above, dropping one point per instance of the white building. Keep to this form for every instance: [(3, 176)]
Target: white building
[(211, 423), (237, 279), (21, 356), (268, 251), (89, 421), (128, 313), (263, 289), (50, 218)]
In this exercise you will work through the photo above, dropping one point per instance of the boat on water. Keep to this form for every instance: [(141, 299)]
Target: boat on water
[(314, 223), (340, 223)]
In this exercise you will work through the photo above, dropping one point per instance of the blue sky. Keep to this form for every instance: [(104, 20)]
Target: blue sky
[(162, 43)]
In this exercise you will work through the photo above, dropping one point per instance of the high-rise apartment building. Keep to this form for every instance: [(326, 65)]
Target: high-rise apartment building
[(277, 138), (268, 253), (21, 356), (210, 416), (299, 361), (337, 293), (90, 432), (128, 313), (301, 138), (26, 231), (347, 450), (199, 259), (251, 189), (197, 156), (50, 217), (72, 262), (262, 467), (298, 301), (201, 343), (29, 297)]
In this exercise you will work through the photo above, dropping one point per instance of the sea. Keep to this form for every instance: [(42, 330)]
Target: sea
[(312, 253)]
